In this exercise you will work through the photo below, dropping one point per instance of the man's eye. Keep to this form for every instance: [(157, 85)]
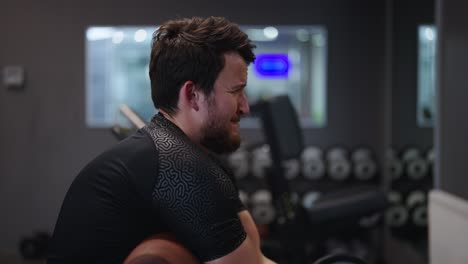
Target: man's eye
[(237, 91)]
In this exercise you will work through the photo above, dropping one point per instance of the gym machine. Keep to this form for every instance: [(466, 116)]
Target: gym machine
[(332, 212)]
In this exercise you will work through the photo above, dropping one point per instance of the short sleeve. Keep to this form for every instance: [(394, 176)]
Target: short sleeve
[(199, 203)]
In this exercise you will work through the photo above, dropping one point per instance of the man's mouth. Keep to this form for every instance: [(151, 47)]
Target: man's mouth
[(235, 120), (235, 124)]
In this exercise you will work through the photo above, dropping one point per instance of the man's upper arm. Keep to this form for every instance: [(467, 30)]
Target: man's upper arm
[(196, 201), (249, 251)]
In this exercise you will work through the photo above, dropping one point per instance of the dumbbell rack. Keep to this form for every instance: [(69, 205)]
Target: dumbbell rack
[(301, 187), (410, 189)]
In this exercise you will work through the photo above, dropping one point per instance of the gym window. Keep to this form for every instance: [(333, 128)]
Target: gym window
[(426, 107), (290, 60)]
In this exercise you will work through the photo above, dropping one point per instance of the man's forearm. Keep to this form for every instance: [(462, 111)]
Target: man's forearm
[(252, 233), (268, 261)]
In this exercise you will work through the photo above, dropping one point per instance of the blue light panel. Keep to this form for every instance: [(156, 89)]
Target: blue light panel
[(272, 65)]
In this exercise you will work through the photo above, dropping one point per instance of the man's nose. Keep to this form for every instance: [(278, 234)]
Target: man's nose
[(244, 107)]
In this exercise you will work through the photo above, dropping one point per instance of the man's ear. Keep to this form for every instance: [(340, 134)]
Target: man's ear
[(190, 95)]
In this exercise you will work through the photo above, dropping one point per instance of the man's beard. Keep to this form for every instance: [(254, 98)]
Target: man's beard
[(217, 136)]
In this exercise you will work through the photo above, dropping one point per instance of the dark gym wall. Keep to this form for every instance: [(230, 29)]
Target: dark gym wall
[(452, 128), (407, 16), (43, 138)]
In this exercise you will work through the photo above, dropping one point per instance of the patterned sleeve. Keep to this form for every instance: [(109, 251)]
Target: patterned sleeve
[(198, 202)]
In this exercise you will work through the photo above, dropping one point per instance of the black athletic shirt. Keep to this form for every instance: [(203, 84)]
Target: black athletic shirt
[(155, 181)]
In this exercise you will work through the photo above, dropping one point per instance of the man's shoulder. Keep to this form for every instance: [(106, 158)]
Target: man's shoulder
[(133, 147), (173, 144), (127, 156), (177, 154), (166, 136)]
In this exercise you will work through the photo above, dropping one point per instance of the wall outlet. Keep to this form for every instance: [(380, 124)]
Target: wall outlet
[(13, 77)]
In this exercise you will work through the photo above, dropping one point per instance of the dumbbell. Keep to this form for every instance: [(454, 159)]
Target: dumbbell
[(416, 202), (416, 167), (35, 246), (393, 164), (244, 197), (419, 216), (292, 169), (261, 161), (239, 163), (397, 214), (339, 167), (263, 211), (294, 198), (364, 165), (313, 167), (310, 198)]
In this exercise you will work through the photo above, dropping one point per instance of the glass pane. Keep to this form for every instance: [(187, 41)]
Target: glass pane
[(290, 59), (117, 73), (299, 55), (426, 108)]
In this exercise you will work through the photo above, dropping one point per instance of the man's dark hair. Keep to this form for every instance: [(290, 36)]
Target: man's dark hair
[(192, 50)]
